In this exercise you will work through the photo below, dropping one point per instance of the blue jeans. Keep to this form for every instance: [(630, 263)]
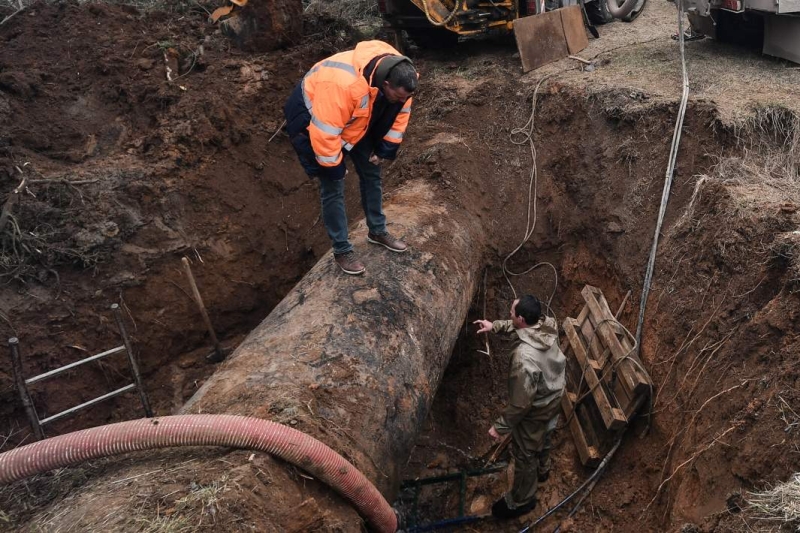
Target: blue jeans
[(332, 196)]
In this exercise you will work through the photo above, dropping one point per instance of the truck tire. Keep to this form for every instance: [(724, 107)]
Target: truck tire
[(432, 38), (637, 10)]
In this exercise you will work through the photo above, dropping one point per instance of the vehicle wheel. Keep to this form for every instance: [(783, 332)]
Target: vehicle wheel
[(433, 37), (637, 10)]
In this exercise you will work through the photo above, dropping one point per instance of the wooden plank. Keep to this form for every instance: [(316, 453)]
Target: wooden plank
[(573, 371), (574, 31), (581, 339), (625, 369), (587, 330), (627, 381), (540, 39), (588, 454), (592, 423), (613, 418), (583, 314), (640, 371), (623, 396)]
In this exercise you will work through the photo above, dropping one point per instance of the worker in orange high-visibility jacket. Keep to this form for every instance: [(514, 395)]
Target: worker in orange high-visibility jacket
[(357, 104)]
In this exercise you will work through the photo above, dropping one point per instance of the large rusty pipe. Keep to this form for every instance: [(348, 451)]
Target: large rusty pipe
[(352, 361)]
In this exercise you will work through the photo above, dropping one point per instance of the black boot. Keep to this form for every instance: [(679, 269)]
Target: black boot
[(500, 509)]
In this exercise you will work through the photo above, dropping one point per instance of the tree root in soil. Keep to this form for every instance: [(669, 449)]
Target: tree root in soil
[(694, 456), (30, 248)]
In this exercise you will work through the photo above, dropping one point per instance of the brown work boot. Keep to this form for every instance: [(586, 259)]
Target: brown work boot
[(386, 240), (349, 263)]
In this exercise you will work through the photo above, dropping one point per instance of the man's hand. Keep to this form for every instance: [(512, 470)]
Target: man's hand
[(494, 434), (375, 160), (485, 326)]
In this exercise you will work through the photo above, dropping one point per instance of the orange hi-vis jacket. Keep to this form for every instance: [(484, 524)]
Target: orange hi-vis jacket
[(340, 100)]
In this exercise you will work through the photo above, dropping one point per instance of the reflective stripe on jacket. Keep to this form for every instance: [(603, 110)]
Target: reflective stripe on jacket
[(339, 99)]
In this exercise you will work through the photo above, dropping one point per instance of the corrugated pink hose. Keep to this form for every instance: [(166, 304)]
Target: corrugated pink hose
[(205, 430)]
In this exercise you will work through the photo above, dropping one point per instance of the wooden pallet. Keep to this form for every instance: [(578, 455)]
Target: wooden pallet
[(607, 380)]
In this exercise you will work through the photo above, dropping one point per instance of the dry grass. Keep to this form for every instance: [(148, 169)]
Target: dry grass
[(359, 15), (198, 509), (766, 167), (778, 506), (22, 499), (641, 55), (773, 130)]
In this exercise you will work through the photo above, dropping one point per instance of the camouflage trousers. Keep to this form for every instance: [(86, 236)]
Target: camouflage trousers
[(531, 454)]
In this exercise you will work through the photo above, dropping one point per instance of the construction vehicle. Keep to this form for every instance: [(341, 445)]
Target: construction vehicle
[(436, 23), (772, 24)]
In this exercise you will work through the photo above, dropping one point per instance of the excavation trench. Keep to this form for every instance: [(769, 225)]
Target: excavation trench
[(385, 368), (362, 353)]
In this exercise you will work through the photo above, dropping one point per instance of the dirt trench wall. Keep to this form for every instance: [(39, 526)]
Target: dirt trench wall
[(353, 361)]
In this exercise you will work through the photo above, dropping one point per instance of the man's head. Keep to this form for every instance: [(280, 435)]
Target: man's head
[(526, 311), (400, 83)]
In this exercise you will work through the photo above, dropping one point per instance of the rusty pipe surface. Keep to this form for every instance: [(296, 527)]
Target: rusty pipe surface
[(352, 361), (368, 352)]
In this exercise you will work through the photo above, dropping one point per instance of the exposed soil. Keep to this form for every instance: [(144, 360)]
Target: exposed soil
[(129, 173)]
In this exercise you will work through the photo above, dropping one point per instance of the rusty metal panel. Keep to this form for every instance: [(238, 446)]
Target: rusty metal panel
[(540, 39), (574, 31)]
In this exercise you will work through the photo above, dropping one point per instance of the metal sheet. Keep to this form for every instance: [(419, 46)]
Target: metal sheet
[(782, 37), (574, 30), (770, 6), (788, 6)]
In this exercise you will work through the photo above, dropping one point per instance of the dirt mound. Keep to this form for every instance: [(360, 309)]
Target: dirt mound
[(128, 171)]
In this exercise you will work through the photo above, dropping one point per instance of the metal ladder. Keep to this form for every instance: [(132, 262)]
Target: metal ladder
[(22, 383), (413, 486)]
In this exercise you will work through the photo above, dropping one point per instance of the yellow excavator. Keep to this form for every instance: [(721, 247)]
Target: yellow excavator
[(437, 23)]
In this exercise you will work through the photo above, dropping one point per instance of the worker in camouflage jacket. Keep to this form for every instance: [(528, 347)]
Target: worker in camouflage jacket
[(535, 385)]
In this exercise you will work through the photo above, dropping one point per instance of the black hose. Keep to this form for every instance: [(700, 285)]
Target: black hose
[(592, 479)]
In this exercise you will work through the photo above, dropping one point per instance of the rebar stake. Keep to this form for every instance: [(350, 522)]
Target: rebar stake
[(137, 377), (19, 380), (219, 354)]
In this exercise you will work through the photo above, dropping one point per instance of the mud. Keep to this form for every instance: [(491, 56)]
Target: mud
[(166, 169)]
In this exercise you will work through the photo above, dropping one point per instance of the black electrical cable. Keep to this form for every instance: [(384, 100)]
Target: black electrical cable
[(594, 476)]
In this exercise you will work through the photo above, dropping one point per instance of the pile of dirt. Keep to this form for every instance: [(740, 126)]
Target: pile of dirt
[(126, 173), (129, 172)]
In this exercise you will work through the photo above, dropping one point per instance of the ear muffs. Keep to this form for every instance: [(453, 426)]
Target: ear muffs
[(387, 63)]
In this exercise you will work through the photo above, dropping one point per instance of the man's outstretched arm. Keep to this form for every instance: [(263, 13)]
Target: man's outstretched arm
[(498, 326)]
